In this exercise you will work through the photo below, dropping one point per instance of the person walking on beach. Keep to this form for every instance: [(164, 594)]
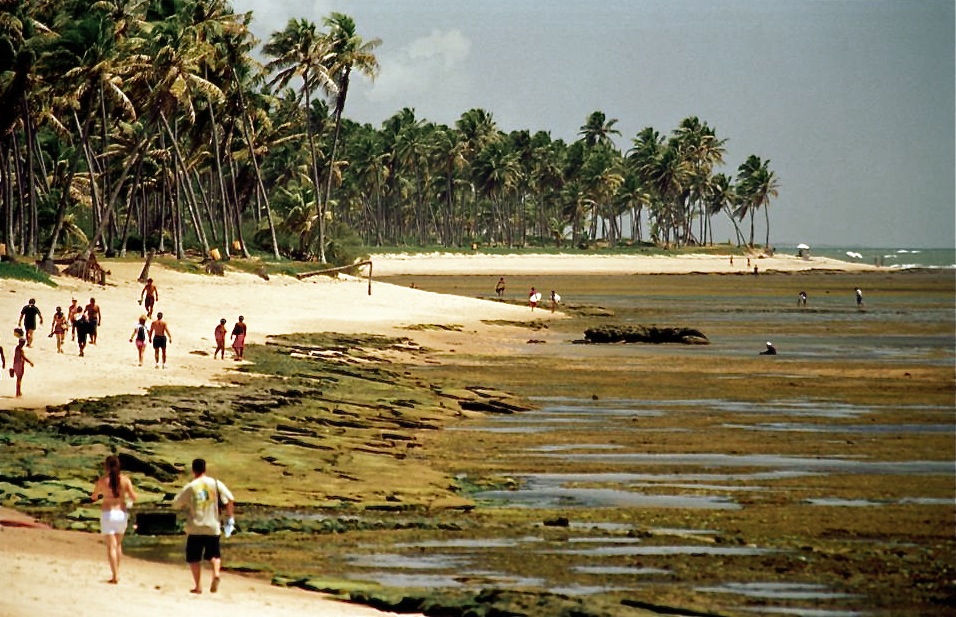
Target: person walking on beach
[(94, 319), (220, 334), (205, 499), (20, 360), (239, 338), (159, 335), (58, 328), (555, 298), (82, 332), (533, 298), (500, 288), (72, 314), (139, 333), (28, 319), (859, 298), (117, 492), (802, 299), (148, 297)]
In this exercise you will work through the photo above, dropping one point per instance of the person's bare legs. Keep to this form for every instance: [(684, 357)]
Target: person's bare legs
[(114, 554), (215, 562), (196, 569)]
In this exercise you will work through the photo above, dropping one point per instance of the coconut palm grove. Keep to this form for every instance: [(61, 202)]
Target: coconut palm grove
[(130, 126)]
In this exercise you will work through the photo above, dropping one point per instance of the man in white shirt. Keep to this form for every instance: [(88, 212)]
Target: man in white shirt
[(206, 499)]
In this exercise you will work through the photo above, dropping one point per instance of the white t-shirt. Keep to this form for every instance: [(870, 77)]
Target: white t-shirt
[(202, 497)]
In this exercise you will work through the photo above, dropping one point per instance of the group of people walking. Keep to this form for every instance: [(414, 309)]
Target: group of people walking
[(534, 296), (210, 512), (83, 324)]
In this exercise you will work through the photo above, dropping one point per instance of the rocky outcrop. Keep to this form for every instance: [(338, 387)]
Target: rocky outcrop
[(645, 334)]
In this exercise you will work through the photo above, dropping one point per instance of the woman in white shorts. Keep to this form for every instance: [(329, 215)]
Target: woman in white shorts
[(117, 492)]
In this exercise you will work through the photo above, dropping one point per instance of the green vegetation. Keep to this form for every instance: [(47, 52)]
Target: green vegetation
[(135, 126), (24, 272)]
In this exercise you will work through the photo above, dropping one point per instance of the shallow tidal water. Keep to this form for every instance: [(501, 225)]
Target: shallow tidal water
[(831, 428)]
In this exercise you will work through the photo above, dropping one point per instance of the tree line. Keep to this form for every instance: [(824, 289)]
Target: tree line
[(135, 125)]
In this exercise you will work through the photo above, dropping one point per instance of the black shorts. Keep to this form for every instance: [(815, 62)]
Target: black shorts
[(202, 547), (159, 342)]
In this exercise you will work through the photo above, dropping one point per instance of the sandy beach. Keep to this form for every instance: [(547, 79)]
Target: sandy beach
[(445, 263), (64, 573)]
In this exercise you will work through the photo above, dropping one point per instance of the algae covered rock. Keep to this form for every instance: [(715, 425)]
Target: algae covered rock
[(645, 334)]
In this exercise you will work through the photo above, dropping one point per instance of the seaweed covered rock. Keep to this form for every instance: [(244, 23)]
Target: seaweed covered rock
[(645, 334)]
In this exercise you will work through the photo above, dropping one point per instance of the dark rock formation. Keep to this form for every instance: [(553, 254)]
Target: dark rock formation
[(645, 334)]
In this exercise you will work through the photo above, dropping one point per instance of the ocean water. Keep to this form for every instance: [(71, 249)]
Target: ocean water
[(900, 257)]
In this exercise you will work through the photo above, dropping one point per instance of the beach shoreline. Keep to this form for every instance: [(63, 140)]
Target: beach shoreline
[(565, 263), (72, 562)]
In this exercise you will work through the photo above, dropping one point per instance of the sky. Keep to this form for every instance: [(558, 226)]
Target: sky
[(853, 101)]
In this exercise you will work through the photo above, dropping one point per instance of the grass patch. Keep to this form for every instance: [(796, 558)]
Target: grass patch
[(22, 271)]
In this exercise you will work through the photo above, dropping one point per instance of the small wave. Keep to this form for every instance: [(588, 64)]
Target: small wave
[(921, 267), (854, 255)]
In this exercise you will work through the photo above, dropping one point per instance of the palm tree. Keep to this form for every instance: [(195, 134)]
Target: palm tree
[(756, 184), (300, 51), (347, 51), (597, 130)]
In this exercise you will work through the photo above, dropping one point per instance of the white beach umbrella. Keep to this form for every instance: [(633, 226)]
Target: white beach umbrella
[(803, 247)]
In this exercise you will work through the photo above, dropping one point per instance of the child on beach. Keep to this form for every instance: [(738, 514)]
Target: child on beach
[(139, 333), (220, 334), (19, 360)]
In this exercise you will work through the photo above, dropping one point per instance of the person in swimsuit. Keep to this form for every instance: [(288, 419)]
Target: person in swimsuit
[(20, 360), (159, 334), (139, 333), (58, 328), (94, 318), (148, 297), (116, 490), (220, 334), (239, 338), (533, 297), (72, 314), (28, 319)]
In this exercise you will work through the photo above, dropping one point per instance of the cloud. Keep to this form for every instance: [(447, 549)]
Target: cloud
[(424, 65)]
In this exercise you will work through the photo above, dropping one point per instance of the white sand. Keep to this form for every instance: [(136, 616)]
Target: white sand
[(192, 305), (64, 573), (448, 263)]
